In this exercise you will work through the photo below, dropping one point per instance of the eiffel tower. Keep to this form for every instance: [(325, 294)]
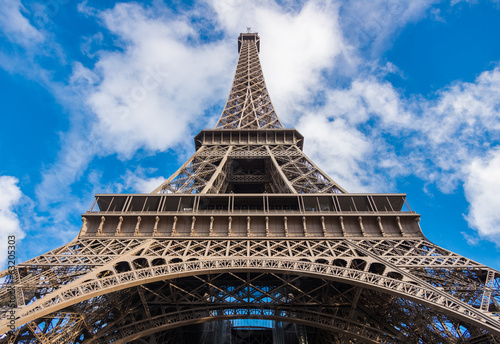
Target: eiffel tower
[(250, 242)]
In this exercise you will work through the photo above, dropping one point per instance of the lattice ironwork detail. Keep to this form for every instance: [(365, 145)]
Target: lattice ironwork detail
[(248, 105), (282, 168)]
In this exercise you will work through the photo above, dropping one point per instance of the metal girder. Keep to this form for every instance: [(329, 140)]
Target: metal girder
[(365, 265), (249, 105), (316, 302), (207, 170)]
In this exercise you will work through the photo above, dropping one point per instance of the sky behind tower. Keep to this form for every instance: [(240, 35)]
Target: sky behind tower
[(391, 96)]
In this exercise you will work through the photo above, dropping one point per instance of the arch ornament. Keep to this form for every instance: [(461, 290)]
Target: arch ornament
[(130, 332), (408, 289)]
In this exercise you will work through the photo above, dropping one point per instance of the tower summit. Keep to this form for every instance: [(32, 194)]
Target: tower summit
[(249, 105), (249, 241)]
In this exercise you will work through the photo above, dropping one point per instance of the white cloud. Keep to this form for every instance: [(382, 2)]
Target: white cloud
[(149, 94), (435, 139), (372, 23), (467, 108), (138, 182), (338, 149), (461, 124), (367, 99), (482, 188), (10, 196), (358, 156), (16, 26)]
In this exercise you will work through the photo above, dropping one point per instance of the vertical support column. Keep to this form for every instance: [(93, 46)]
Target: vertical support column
[(84, 229), (304, 224), (342, 227), (174, 231), (211, 230), (16, 278), (137, 226), (360, 220), (485, 302), (267, 227), (101, 225), (230, 232), (248, 226), (379, 221), (398, 222), (285, 220), (323, 227), (155, 228), (354, 303), (119, 226), (193, 221)]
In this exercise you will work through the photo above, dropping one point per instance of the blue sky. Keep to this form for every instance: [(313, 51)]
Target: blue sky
[(391, 96)]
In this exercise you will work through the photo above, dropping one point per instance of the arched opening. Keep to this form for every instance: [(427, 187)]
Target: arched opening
[(339, 262), (377, 268), (158, 262), (122, 267), (321, 261), (104, 273), (140, 263), (175, 260), (252, 297), (304, 260), (358, 264), (395, 275), (272, 282)]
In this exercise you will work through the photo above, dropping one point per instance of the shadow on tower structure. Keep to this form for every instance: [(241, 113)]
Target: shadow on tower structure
[(250, 242)]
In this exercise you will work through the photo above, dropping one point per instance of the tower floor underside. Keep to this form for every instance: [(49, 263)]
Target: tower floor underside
[(148, 286)]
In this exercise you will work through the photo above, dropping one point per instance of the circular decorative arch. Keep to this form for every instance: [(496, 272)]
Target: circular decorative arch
[(420, 293), (184, 318)]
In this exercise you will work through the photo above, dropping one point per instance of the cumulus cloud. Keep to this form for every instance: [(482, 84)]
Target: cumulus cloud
[(138, 182), (482, 188), (150, 94), (461, 124), (358, 156), (338, 148), (379, 135), (366, 99), (161, 83), (10, 196)]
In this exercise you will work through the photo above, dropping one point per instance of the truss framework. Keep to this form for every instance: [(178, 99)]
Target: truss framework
[(287, 170), (248, 105), (406, 272)]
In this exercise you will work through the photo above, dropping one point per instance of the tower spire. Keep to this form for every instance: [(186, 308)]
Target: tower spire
[(249, 105)]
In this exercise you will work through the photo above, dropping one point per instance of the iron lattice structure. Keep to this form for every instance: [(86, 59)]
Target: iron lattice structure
[(250, 228)]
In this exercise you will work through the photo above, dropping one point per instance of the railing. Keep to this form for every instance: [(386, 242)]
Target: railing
[(251, 203)]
